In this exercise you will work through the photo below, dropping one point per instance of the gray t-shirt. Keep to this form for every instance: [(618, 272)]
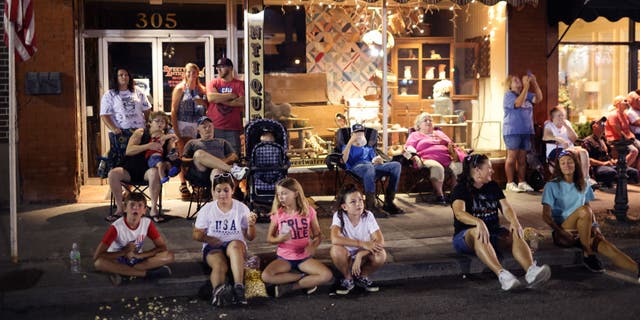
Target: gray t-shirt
[(218, 148)]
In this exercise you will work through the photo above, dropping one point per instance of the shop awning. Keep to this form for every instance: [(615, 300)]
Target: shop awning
[(568, 11), (515, 3)]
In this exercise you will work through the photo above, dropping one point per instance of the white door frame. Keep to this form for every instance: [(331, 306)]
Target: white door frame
[(156, 38)]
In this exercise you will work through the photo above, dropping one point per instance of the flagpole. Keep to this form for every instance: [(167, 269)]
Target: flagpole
[(13, 188)]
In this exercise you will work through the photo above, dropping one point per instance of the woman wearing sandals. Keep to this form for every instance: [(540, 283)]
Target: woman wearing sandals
[(294, 228), (477, 200), (566, 210), (188, 102), (222, 226), (357, 243), (135, 168)]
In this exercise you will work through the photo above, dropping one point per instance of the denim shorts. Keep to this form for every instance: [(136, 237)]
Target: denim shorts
[(207, 249), (130, 262), (461, 246), (517, 141), (295, 263)]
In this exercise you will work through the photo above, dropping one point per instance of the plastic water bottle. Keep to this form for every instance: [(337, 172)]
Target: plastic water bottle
[(74, 258)]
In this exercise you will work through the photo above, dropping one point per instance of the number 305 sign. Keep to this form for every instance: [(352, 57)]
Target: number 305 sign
[(156, 20)]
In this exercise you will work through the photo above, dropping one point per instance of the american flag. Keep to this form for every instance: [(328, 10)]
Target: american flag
[(20, 14)]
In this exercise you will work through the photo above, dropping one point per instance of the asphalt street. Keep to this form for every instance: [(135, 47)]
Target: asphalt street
[(571, 293)]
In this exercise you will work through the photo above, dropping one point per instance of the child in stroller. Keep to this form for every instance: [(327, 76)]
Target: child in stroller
[(266, 150)]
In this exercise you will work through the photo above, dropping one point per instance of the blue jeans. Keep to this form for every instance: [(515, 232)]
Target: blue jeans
[(369, 173), (232, 136)]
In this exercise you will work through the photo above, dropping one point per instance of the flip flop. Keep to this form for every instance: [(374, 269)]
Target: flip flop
[(158, 219), (112, 217)]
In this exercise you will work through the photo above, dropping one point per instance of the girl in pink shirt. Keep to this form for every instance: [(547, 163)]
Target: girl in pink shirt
[(294, 228)]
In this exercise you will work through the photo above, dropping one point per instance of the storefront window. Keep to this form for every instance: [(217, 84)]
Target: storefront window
[(593, 66), (590, 77)]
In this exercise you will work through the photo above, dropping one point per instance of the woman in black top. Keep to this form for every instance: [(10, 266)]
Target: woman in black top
[(476, 203), (134, 168)]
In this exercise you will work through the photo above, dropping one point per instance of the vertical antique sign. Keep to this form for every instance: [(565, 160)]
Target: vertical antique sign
[(254, 51)]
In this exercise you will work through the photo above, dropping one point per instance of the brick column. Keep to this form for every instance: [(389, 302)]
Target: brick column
[(530, 38)]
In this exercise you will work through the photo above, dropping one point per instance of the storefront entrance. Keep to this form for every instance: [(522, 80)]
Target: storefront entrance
[(155, 62)]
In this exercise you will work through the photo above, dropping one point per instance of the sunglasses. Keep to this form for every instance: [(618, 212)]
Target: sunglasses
[(222, 175), (564, 153)]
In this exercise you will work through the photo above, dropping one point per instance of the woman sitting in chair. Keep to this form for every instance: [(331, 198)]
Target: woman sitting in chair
[(433, 150), (134, 168), (560, 131)]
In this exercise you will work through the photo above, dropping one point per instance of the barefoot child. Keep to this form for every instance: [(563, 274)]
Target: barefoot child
[(294, 228), (155, 157), (357, 243)]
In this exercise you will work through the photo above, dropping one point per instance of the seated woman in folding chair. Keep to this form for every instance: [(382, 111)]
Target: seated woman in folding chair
[(134, 169), (560, 131), (434, 149), (362, 160)]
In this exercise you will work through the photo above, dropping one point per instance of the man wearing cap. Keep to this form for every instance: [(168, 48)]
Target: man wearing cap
[(361, 159), (207, 153), (603, 166), (226, 104)]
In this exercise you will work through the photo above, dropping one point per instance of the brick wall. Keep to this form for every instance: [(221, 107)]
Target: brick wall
[(47, 128), (529, 40)]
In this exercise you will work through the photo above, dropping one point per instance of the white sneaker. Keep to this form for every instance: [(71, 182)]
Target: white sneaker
[(508, 280), (239, 172), (537, 275), (525, 187), (513, 187)]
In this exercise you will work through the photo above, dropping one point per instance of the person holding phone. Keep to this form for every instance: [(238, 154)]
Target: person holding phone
[(362, 160), (518, 127)]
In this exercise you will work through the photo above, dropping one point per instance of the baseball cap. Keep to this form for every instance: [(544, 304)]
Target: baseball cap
[(224, 62), (203, 119), (357, 127), (601, 120)]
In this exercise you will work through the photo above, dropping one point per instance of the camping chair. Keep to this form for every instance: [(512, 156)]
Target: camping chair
[(200, 194), (419, 181), (334, 161), (138, 186)]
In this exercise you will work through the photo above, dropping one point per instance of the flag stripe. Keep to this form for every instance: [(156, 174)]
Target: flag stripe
[(20, 14)]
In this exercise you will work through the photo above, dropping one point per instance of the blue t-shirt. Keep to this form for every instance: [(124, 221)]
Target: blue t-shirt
[(564, 199), (359, 155), (517, 120)]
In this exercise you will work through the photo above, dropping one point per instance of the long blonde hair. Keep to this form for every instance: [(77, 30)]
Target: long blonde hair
[(301, 201), (188, 67)]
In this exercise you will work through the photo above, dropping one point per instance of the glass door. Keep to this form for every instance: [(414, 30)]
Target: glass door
[(156, 65), (136, 56), (174, 54)]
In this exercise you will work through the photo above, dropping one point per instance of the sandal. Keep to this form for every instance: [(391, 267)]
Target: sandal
[(113, 217), (158, 219)]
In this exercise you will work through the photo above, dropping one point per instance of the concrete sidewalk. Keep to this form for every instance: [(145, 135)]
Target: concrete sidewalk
[(418, 245)]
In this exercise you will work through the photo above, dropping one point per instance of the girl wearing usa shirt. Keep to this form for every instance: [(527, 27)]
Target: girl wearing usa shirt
[(222, 226)]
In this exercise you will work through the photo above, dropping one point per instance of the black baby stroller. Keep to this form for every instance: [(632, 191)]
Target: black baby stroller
[(266, 150)]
